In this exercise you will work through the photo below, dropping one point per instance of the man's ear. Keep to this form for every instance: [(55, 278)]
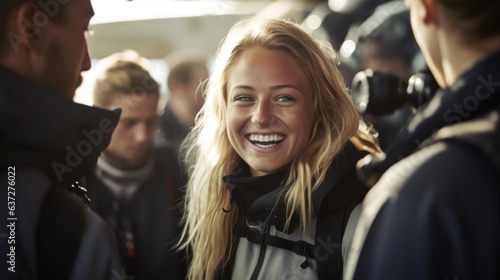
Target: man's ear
[(27, 28), (428, 11)]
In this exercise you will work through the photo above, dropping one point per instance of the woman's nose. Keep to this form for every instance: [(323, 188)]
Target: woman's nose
[(263, 114)]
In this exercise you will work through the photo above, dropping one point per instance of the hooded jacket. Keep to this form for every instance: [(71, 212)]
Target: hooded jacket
[(435, 214), (47, 145), (261, 205)]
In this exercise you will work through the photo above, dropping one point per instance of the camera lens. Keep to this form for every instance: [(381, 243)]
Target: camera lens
[(360, 92), (421, 87), (382, 93), (378, 93)]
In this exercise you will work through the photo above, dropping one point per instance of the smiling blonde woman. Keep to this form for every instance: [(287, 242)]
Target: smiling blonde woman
[(272, 179)]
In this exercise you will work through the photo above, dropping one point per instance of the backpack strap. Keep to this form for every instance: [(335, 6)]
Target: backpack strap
[(327, 251), (335, 212), (300, 247), (336, 205), (329, 239), (59, 233)]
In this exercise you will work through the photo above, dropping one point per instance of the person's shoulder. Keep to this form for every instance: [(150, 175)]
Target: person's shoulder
[(167, 158), (98, 256), (29, 185), (451, 162), (344, 187), (440, 172), (167, 155), (97, 227), (166, 150)]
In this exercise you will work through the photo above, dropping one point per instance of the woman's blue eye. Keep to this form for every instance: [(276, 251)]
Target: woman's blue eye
[(243, 98), (285, 98)]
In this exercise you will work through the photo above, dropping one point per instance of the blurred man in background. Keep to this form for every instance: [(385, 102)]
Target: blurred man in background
[(184, 81), (136, 186), (384, 43)]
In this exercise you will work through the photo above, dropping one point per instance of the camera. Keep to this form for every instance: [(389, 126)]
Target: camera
[(381, 93)]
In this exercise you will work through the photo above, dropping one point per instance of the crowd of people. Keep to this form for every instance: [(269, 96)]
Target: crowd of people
[(258, 167)]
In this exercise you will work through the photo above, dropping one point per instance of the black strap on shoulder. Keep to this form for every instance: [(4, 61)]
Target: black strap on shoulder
[(59, 234), (299, 247), (334, 214), (329, 234), (327, 250)]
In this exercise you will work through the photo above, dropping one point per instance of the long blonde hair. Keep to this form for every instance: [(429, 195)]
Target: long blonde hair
[(209, 155)]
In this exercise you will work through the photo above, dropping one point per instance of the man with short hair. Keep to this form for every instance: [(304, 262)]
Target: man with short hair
[(435, 211), (136, 186), (48, 146), (184, 84), (385, 44)]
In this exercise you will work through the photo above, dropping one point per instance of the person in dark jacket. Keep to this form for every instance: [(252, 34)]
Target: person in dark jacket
[(136, 186), (270, 156), (48, 147), (185, 77), (435, 212), (384, 44)]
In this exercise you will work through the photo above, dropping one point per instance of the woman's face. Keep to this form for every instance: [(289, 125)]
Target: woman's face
[(270, 109)]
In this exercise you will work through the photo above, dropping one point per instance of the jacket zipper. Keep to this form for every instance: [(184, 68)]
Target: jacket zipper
[(262, 253)]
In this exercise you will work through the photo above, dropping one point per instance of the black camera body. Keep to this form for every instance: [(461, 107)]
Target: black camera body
[(382, 93)]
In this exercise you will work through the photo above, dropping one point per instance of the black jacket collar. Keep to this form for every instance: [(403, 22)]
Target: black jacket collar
[(340, 186), (39, 127)]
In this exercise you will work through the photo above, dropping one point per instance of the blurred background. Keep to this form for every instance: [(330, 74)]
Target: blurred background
[(159, 29), (367, 34)]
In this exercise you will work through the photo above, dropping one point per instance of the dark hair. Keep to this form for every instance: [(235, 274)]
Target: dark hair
[(182, 73), (477, 18), (389, 29), (7, 7)]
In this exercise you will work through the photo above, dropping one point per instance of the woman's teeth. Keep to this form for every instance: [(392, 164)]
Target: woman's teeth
[(266, 138), (266, 141)]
